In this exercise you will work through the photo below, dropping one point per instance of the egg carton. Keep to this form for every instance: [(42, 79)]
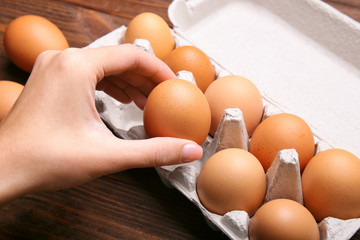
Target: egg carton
[(283, 177)]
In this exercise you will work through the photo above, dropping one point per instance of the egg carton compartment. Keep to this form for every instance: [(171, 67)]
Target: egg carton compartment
[(283, 177)]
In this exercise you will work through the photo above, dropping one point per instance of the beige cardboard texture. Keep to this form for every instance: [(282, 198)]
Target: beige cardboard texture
[(303, 55)]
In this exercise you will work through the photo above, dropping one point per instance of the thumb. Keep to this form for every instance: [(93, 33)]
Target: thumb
[(153, 152)]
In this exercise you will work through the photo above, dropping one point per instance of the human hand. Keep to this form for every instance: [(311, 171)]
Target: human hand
[(53, 138)]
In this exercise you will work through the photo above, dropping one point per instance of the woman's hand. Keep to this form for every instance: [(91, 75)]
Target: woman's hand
[(53, 138)]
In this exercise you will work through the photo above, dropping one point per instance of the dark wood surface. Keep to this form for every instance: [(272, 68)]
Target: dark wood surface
[(133, 204)]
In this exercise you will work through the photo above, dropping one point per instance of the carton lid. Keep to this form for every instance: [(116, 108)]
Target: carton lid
[(303, 55)]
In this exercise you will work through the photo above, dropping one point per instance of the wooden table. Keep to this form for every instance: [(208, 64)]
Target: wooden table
[(133, 204)]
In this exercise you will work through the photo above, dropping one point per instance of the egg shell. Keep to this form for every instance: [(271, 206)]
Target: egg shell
[(331, 185), (282, 131), (177, 108), (194, 60), (231, 179), (27, 36), (9, 93), (234, 91), (283, 219), (153, 28)]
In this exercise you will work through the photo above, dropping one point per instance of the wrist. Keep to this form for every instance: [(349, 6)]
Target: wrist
[(13, 183)]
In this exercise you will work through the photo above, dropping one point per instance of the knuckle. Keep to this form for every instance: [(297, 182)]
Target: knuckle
[(69, 58), (44, 57), (61, 59)]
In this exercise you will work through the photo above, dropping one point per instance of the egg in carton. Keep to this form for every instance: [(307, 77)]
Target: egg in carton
[(283, 177)]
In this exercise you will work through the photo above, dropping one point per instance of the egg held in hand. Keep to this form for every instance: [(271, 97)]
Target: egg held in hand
[(9, 93), (153, 28), (234, 91), (177, 108), (192, 59), (331, 185), (231, 179), (27, 36), (283, 219), (282, 131)]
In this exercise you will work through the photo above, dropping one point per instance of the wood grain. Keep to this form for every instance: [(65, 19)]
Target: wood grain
[(129, 205), (133, 204), (350, 8)]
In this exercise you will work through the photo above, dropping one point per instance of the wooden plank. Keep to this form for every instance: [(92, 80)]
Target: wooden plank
[(129, 205), (126, 8)]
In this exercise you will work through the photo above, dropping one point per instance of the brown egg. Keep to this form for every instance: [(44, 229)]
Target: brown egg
[(283, 219), (194, 60), (9, 93), (153, 28), (279, 132), (331, 185), (234, 92), (27, 36), (231, 179), (177, 108)]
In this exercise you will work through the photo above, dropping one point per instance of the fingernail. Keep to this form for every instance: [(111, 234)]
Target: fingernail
[(191, 152)]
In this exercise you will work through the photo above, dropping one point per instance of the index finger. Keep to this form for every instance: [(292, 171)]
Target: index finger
[(111, 60)]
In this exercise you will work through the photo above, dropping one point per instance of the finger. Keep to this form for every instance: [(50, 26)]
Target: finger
[(114, 79), (138, 81), (115, 92), (124, 92), (116, 59), (117, 80), (123, 81), (162, 151), (120, 154), (137, 96)]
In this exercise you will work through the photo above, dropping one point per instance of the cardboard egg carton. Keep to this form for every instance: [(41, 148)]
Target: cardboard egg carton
[(283, 177)]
